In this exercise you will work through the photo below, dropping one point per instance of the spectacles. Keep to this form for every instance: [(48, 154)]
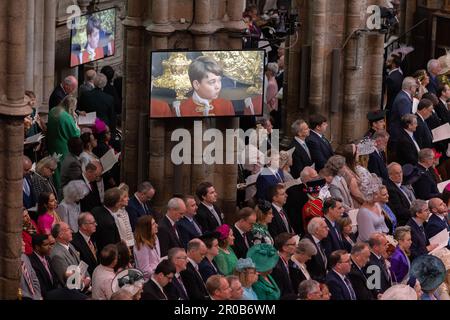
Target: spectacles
[(183, 258), (51, 169), (91, 223)]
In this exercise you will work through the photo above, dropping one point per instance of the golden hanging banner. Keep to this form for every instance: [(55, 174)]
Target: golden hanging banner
[(175, 75)]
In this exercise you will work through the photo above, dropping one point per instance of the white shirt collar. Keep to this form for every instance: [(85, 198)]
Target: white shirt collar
[(205, 102), (277, 207), (66, 246), (85, 237), (159, 286), (240, 231), (194, 264), (210, 207), (319, 134), (170, 220), (112, 213), (316, 241), (399, 70), (137, 198), (299, 140), (340, 275), (411, 134), (419, 115), (378, 257), (409, 95)]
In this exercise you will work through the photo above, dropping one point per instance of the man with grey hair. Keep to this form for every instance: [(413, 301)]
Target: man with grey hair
[(317, 231), (434, 69), (377, 261), (138, 205), (426, 186), (420, 243), (97, 101), (297, 270), (301, 156), (193, 281), (68, 86), (407, 147), (309, 290), (176, 290), (83, 242), (167, 230), (88, 84), (359, 258)]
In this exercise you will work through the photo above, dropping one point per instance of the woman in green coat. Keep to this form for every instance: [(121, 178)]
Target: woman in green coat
[(226, 259), (60, 128), (265, 257)]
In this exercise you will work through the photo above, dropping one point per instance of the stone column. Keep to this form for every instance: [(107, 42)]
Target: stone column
[(30, 45), (202, 22), (160, 17), (12, 110), (49, 51), (234, 12), (38, 69)]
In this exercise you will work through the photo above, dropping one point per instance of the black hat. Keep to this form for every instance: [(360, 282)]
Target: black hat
[(410, 174), (208, 235), (374, 116), (429, 270), (314, 186), (264, 205)]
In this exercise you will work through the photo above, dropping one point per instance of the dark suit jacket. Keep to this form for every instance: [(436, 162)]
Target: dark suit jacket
[(194, 284), (297, 276), (174, 291), (320, 150), (316, 266), (168, 239), (442, 112), (86, 254), (435, 225), (423, 134), (293, 207), (337, 287), (45, 282), (402, 105), (433, 85), (283, 278), (207, 269), (406, 149), (393, 86), (377, 165), (425, 188), (239, 247), (398, 203), (91, 200), (277, 225), (358, 280), (206, 219), (331, 242), (109, 89), (70, 169), (56, 97), (29, 201), (385, 278), (300, 159), (152, 292), (419, 240), (98, 101), (434, 120), (107, 231), (187, 231), (135, 211), (265, 181)]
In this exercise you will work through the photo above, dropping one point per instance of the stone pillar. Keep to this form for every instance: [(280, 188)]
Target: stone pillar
[(30, 45), (234, 12), (12, 110), (38, 69), (160, 17), (49, 51), (202, 22)]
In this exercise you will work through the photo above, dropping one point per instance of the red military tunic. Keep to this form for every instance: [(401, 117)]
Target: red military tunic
[(160, 109), (312, 209), (221, 107)]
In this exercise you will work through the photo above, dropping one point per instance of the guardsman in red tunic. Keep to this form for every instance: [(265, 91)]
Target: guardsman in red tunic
[(206, 80), (312, 208), (160, 109)]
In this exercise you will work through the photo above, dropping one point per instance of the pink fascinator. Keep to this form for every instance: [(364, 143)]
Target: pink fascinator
[(224, 231), (99, 126)]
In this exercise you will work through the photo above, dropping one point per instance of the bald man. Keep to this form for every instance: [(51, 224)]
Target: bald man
[(438, 218), (68, 86)]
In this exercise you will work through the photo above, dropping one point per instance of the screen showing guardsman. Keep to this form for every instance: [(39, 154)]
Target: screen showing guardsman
[(206, 83), (92, 37)]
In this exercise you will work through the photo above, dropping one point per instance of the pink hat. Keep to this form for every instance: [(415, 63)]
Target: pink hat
[(99, 126), (224, 231)]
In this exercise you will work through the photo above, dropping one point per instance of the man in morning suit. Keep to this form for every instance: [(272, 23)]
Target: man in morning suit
[(243, 239), (208, 216), (377, 159), (91, 173), (82, 240), (286, 245), (195, 287), (138, 204), (420, 244), (40, 262), (399, 198), (205, 75), (163, 275), (337, 280), (423, 134), (394, 80), (187, 226), (332, 210), (168, 234), (407, 148), (270, 176), (301, 156), (441, 108), (317, 266), (280, 221), (378, 254), (359, 258), (68, 86), (319, 147), (438, 220), (426, 186), (107, 232)]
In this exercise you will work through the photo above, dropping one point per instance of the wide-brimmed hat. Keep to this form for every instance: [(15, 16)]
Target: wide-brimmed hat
[(128, 278), (264, 205), (243, 264), (410, 173), (429, 270), (264, 256)]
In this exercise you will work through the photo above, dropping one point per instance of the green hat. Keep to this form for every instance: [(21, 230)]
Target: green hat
[(264, 256)]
